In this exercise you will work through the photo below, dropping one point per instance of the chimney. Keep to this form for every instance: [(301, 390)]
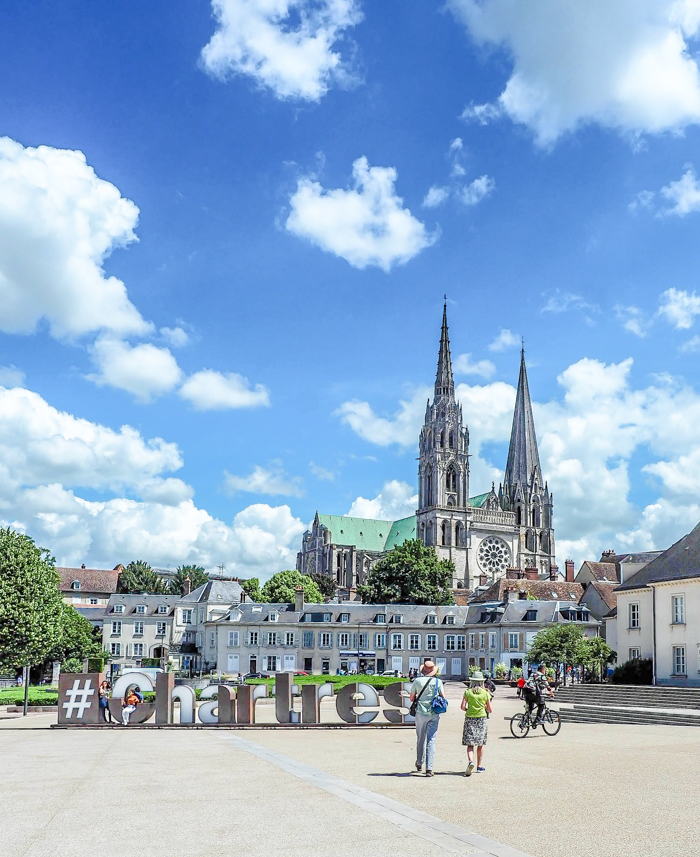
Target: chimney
[(530, 574), (553, 572), (299, 599), (512, 574), (511, 594), (569, 566), (188, 585), (483, 580), (83, 565), (243, 596)]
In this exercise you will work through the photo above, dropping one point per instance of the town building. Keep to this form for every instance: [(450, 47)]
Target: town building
[(88, 587), (197, 610), (614, 568), (658, 614), (324, 638), (483, 535)]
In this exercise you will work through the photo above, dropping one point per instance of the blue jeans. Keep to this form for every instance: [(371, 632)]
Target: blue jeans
[(426, 732)]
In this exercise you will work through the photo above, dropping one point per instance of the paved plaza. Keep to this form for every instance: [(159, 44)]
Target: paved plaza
[(592, 790)]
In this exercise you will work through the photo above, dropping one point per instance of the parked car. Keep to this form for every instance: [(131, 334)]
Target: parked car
[(395, 673), (300, 672), (255, 675)]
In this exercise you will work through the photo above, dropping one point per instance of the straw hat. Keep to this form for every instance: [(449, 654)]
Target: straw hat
[(429, 668)]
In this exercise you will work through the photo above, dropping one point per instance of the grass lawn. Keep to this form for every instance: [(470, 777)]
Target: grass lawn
[(37, 696)]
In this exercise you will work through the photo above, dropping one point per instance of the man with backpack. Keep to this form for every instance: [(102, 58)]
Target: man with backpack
[(535, 689), (427, 703)]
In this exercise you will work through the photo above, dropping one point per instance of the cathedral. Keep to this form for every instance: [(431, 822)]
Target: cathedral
[(484, 535)]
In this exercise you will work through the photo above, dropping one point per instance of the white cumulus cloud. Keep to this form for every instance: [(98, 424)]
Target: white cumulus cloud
[(479, 189), (208, 390), (144, 370), (366, 224), (396, 500), (436, 196), (58, 223), (464, 365), (679, 307), (286, 46), (265, 480), (684, 194), (505, 339), (626, 65)]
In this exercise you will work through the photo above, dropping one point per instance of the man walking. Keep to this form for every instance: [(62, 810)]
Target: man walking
[(423, 690)]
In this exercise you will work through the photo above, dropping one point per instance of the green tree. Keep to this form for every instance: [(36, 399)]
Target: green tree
[(597, 654), (79, 638), (281, 588), (560, 644), (139, 577), (409, 574), (251, 587), (31, 607), (196, 574), (324, 582)]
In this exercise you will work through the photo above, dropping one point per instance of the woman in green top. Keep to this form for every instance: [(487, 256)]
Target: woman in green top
[(476, 704)]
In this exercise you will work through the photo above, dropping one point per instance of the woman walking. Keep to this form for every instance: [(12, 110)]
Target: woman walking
[(476, 704), (423, 690)]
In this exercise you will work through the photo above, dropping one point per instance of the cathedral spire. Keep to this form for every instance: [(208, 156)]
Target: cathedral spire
[(444, 383), (523, 455)]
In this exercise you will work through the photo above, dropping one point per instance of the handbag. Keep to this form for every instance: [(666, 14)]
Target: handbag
[(439, 704), (414, 705)]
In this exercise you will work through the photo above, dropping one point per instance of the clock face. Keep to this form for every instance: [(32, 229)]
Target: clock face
[(493, 556)]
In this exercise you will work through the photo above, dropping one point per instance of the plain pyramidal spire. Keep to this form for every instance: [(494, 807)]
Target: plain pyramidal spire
[(444, 383), (523, 455)]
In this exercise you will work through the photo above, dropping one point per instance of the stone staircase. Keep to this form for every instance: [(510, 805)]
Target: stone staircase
[(631, 704)]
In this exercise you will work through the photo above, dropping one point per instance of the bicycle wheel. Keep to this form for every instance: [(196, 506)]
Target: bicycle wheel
[(519, 725), (551, 722)]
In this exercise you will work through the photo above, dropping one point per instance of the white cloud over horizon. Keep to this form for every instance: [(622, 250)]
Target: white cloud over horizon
[(286, 46), (47, 456), (366, 224), (396, 500), (464, 365), (505, 339), (626, 66), (208, 390), (143, 370)]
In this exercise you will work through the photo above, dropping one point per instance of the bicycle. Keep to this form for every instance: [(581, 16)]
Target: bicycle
[(520, 724)]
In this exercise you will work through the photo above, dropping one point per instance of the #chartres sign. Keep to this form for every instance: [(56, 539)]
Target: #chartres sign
[(224, 705)]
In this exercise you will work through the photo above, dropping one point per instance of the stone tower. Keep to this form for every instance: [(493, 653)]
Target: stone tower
[(524, 492), (443, 470)]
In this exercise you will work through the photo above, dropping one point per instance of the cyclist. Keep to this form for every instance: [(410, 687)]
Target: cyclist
[(535, 690)]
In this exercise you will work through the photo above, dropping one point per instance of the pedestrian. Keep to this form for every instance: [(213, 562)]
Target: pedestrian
[(129, 706), (476, 705), (423, 690), (105, 688), (489, 684)]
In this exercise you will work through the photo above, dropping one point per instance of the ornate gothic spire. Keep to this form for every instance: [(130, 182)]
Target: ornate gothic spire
[(523, 455), (444, 383)]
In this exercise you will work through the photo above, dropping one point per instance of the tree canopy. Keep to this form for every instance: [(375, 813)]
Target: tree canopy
[(78, 639), (196, 574), (251, 587), (409, 574), (139, 577), (324, 582), (281, 588), (31, 606), (560, 644)]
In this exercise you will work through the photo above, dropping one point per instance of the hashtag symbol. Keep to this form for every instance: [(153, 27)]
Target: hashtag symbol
[(78, 698)]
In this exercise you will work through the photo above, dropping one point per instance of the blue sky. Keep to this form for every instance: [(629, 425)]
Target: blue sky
[(223, 313)]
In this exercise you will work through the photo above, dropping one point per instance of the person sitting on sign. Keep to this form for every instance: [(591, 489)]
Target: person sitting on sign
[(129, 706)]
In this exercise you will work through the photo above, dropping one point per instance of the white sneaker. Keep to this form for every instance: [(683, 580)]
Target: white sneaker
[(470, 769)]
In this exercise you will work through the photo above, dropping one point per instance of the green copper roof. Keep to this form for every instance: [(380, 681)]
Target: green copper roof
[(364, 533), (479, 500), (401, 531)]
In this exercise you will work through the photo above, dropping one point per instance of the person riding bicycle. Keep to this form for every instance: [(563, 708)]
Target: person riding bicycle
[(535, 690)]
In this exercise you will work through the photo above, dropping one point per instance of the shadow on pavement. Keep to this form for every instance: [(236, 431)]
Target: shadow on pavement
[(419, 774)]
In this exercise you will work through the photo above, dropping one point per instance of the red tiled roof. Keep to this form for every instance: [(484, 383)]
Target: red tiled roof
[(102, 580), (542, 590)]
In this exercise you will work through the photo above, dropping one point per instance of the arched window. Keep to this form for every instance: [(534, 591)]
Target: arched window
[(519, 515), (442, 438), (530, 540), (451, 480), (429, 540), (452, 440), (544, 542), (75, 584), (458, 534), (422, 533), (445, 532), (536, 516)]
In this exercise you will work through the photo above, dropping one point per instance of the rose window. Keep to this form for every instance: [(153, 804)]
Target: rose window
[(493, 555)]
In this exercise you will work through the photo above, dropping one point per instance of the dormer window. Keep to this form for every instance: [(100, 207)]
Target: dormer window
[(162, 608), (327, 617), (140, 608), (431, 619), (75, 584), (397, 619), (273, 617), (530, 616), (344, 617), (449, 620), (380, 618), (118, 608)]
